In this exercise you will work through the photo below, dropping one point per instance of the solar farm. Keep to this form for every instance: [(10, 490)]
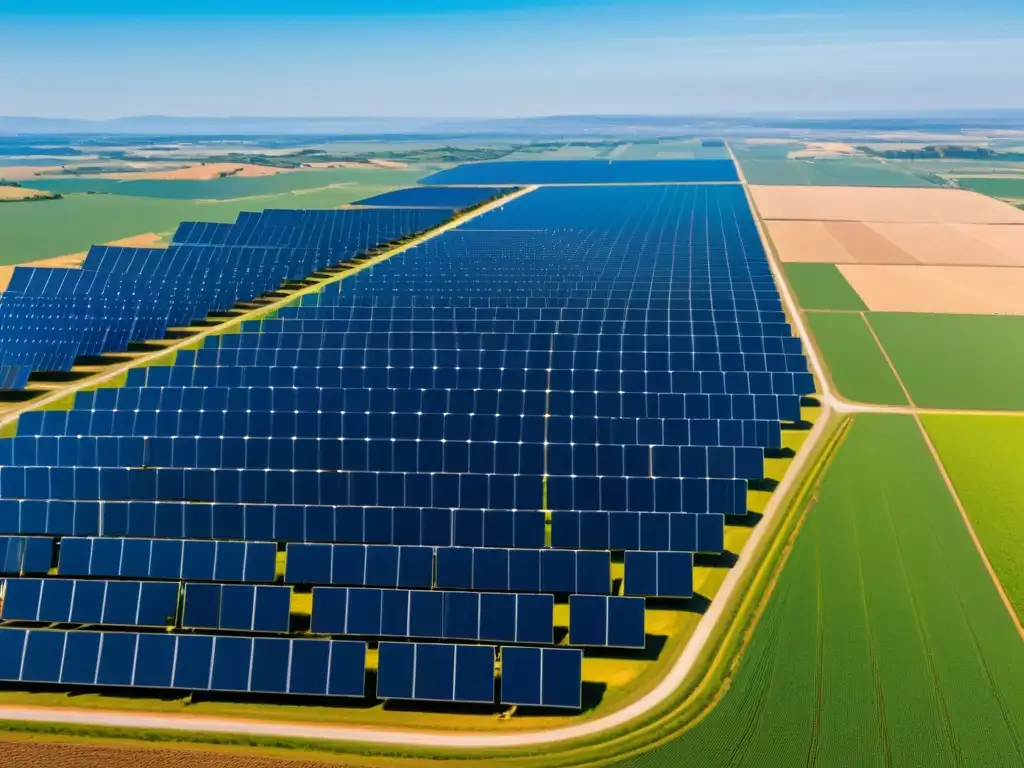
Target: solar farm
[(476, 461)]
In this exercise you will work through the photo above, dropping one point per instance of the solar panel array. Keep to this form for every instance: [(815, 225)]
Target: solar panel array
[(587, 172), (454, 198), (443, 449), (51, 317)]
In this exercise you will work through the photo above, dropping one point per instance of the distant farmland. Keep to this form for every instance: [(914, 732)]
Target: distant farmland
[(230, 187), (38, 230)]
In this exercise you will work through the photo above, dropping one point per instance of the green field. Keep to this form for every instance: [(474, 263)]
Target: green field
[(884, 643), (856, 365), (822, 286), (982, 456), (231, 187), (854, 171), (42, 229), (995, 187), (956, 361)]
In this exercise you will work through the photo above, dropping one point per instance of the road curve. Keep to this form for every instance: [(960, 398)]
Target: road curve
[(674, 677)]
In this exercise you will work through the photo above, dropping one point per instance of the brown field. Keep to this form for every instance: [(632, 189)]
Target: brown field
[(936, 289), (48, 754), (851, 242), (197, 172), (882, 204), (74, 260), (20, 193), (823, 149)]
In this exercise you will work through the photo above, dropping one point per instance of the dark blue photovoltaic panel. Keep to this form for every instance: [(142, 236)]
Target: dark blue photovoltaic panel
[(12, 648), (356, 565), (436, 197), (254, 561), (237, 607), (232, 660), (25, 555), (125, 603), (192, 662), (396, 664), (117, 659), (586, 172), (495, 617), (346, 669), (81, 658), (154, 661), (606, 621), (44, 651), (427, 672), (659, 574), (270, 665), (543, 677)]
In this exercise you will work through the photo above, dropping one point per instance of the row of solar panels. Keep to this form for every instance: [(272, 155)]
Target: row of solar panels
[(330, 402), (388, 416), (650, 573), (702, 322), (523, 529), (684, 335), (569, 348), (377, 489), (435, 197), (550, 677), (441, 368), (426, 451), (678, 384), (594, 620)]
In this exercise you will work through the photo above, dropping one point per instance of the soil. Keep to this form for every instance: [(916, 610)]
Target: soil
[(882, 204), (937, 289), (27, 754)]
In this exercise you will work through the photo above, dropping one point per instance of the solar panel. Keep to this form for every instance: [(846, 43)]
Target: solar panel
[(436, 672), (659, 574), (492, 617), (184, 662), (542, 677), (353, 564), (168, 559), (438, 197), (586, 172), (600, 620), (25, 555), (60, 601), (237, 607)]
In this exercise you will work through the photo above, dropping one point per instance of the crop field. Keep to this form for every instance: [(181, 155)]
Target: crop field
[(856, 364), (47, 228), (956, 361), (231, 187), (884, 642), (822, 286), (994, 186), (982, 456), (854, 171)]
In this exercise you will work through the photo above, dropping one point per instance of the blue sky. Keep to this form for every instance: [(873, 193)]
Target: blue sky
[(435, 58)]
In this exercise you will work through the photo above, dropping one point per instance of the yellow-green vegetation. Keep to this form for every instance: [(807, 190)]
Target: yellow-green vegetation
[(982, 455)]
